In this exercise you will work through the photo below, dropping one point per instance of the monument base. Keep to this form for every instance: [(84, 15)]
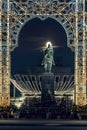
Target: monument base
[(47, 93)]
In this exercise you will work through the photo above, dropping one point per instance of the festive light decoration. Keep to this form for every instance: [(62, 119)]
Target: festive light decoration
[(70, 14)]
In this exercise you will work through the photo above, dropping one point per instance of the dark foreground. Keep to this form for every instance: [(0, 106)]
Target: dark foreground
[(43, 125)]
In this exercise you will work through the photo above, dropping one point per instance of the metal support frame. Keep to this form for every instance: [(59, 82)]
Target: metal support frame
[(80, 56), (5, 55), (0, 53)]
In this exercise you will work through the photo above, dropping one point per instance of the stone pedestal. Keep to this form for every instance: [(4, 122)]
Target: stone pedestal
[(47, 83)]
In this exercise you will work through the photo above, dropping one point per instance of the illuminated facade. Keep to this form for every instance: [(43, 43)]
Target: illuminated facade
[(69, 13)]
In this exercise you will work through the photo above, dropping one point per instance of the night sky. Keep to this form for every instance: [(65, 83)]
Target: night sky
[(32, 37)]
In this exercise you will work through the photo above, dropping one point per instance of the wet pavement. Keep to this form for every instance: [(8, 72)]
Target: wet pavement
[(43, 124)]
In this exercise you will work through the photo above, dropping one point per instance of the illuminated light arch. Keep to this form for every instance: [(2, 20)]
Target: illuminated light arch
[(70, 14), (63, 22)]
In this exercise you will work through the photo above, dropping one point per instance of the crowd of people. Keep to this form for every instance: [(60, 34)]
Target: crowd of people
[(49, 110), (8, 112)]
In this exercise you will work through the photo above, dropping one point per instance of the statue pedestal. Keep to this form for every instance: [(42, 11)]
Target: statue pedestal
[(47, 83)]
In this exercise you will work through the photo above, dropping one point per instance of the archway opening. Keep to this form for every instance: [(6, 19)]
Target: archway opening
[(32, 37)]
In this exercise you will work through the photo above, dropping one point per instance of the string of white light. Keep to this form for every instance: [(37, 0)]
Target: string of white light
[(32, 83)]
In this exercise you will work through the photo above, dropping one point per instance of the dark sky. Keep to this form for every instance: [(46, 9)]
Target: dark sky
[(33, 37)]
